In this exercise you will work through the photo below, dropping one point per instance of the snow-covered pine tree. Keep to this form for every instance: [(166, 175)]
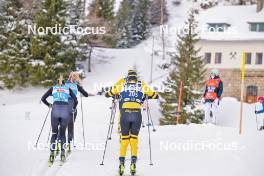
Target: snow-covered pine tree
[(189, 67), (101, 13), (14, 45), (50, 54), (155, 12), (74, 17), (74, 11), (3, 22), (140, 23), (102, 9), (132, 22), (123, 23)]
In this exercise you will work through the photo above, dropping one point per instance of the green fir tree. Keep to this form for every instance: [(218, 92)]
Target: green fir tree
[(74, 17), (14, 45), (155, 12), (51, 54), (140, 23), (189, 68), (101, 13), (103, 9), (132, 22), (123, 24)]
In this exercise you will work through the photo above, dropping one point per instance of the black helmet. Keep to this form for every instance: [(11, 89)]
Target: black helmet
[(132, 75)]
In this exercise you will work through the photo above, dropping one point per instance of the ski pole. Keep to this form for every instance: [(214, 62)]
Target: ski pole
[(73, 114), (143, 122), (83, 123), (149, 115), (154, 129), (215, 111), (256, 117), (263, 124), (150, 151), (49, 135), (108, 132), (113, 119), (42, 127), (107, 137)]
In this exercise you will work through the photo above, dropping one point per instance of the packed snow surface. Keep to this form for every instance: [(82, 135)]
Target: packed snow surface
[(184, 149)]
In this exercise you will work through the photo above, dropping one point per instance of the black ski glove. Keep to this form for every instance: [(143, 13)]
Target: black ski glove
[(107, 95)]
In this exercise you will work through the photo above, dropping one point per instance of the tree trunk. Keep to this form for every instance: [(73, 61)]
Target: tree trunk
[(89, 59)]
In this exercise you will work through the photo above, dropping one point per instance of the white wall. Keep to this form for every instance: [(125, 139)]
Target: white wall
[(226, 47)]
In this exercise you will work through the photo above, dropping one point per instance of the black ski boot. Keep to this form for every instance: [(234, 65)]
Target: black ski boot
[(58, 148), (121, 166), (69, 148), (261, 128), (63, 158), (133, 165), (211, 114), (51, 159)]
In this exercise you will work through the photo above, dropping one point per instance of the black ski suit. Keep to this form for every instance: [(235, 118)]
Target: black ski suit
[(71, 106), (60, 117)]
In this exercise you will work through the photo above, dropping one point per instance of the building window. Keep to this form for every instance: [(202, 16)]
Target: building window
[(218, 58), (256, 27), (259, 58), (253, 27), (261, 27), (208, 58), (248, 58)]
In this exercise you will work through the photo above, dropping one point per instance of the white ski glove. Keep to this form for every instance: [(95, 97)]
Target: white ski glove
[(217, 101), (203, 101)]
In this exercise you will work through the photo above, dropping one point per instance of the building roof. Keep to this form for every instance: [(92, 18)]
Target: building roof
[(238, 17)]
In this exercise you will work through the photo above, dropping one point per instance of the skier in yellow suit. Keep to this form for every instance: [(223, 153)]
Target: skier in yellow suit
[(132, 93)]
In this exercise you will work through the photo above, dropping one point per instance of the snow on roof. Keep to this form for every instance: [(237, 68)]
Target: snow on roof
[(238, 17)]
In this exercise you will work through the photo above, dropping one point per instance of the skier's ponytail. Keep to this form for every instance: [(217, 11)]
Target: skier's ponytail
[(75, 77)]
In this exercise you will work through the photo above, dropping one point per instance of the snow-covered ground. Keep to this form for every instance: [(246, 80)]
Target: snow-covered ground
[(176, 149), (202, 150), (185, 150)]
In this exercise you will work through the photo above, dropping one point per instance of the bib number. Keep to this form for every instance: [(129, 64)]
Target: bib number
[(133, 94), (211, 89)]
